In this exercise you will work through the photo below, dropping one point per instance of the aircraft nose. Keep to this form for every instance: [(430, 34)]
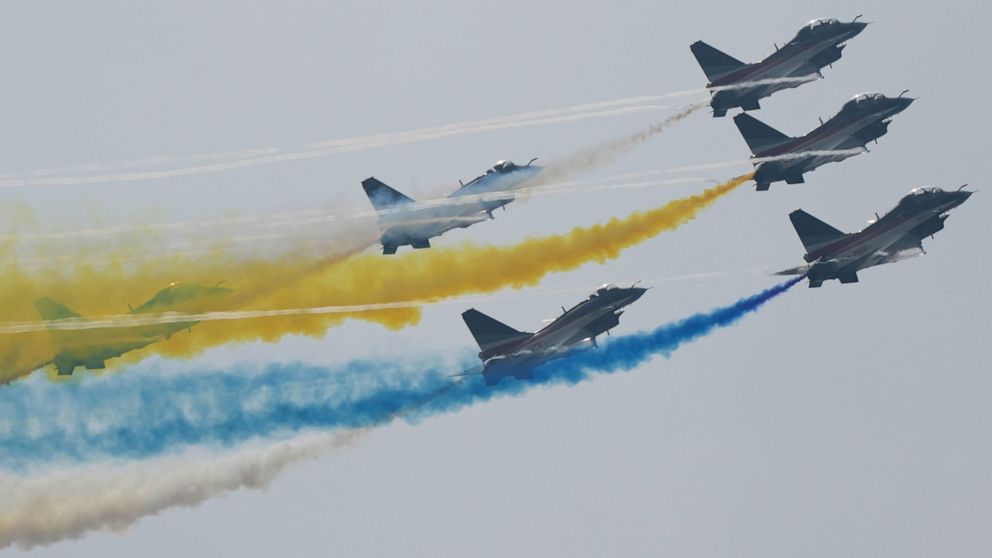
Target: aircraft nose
[(534, 170), (856, 27), (636, 293)]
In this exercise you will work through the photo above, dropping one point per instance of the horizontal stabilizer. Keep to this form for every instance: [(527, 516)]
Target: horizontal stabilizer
[(48, 309), (382, 196), (813, 232), (488, 332), (759, 136), (715, 64), (425, 243), (801, 270), (849, 277)]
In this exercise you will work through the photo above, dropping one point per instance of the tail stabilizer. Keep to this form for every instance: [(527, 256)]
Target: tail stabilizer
[(715, 63), (382, 196), (813, 232), (759, 136), (50, 310), (489, 333)]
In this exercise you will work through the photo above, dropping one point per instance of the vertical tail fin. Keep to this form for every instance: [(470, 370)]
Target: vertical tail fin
[(715, 64), (813, 232), (759, 136), (490, 334), (382, 196), (48, 309)]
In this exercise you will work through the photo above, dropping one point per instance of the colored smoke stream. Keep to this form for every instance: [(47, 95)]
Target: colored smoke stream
[(361, 279), (144, 415), (67, 504)]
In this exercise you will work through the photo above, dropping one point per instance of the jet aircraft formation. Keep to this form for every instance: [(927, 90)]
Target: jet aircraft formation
[(505, 351)]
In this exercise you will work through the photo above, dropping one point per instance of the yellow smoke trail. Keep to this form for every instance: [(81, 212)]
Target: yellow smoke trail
[(345, 278)]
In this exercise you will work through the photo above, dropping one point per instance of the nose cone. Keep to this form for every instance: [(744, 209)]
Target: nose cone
[(902, 103), (530, 171), (856, 27), (634, 293), (960, 196)]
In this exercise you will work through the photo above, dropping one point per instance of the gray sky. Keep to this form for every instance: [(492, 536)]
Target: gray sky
[(850, 420)]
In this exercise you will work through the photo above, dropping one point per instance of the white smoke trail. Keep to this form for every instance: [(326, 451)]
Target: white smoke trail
[(757, 160), (224, 161), (321, 150), (320, 215), (258, 152), (63, 505), (606, 152), (310, 224)]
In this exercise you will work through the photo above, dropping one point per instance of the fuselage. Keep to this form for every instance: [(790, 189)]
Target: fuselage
[(472, 203), (891, 238), (576, 328), (861, 120), (816, 45), (872, 242)]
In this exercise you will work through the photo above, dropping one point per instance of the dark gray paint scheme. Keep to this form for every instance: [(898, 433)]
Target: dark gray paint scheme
[(897, 235), (818, 44), (508, 352), (862, 119)]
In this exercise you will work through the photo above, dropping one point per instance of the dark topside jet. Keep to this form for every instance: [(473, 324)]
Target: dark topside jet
[(862, 119), (895, 236), (92, 347), (508, 352), (404, 221), (818, 44)]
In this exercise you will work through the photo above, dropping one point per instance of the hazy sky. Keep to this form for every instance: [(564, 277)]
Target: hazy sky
[(849, 420)]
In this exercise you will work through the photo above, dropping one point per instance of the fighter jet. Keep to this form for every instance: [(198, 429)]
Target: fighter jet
[(91, 348), (819, 43), (508, 352), (895, 236), (862, 119), (404, 221)]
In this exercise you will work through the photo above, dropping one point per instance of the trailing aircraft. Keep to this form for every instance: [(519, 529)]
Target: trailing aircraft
[(404, 221)]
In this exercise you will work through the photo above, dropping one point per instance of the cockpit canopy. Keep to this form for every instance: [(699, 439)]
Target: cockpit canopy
[(916, 193), (814, 26), (862, 98), (603, 289), (503, 167)]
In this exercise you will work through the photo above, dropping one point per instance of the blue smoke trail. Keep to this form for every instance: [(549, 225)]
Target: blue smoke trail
[(143, 414)]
